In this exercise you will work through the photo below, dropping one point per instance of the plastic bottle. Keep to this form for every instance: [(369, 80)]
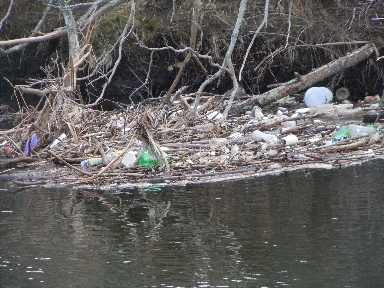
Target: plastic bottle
[(344, 131), (358, 130), (148, 160), (58, 140), (354, 113), (318, 95), (110, 156), (91, 162), (328, 111), (258, 135)]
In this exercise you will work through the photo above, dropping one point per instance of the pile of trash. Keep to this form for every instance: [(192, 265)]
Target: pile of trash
[(122, 147)]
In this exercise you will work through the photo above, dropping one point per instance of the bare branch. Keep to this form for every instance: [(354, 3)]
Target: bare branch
[(58, 33), (228, 55), (289, 22), (63, 30), (77, 5), (264, 23), (6, 15), (192, 45), (123, 37)]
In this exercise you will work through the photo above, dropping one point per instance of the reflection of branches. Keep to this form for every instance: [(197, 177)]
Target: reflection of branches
[(6, 15)]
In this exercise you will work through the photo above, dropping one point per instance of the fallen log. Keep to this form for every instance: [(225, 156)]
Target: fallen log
[(308, 80)]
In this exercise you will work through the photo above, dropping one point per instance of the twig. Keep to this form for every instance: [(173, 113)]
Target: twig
[(338, 148), (67, 164), (192, 44)]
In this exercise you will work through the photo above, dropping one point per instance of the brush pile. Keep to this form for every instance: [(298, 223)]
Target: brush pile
[(56, 146)]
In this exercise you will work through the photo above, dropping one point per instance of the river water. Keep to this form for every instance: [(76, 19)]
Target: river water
[(313, 228)]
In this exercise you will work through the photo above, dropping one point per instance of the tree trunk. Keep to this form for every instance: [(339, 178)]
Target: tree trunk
[(73, 43), (306, 81)]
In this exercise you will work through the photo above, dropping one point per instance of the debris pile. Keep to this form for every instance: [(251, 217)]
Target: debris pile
[(130, 146)]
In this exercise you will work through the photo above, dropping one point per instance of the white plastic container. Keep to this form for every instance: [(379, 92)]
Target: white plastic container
[(318, 95), (258, 136)]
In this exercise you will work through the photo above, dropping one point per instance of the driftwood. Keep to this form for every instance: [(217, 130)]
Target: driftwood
[(308, 80), (15, 161)]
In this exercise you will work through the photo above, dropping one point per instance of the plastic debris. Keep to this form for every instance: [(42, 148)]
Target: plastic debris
[(257, 113), (343, 131), (32, 142), (258, 136), (217, 143), (342, 94), (91, 162), (290, 140), (129, 159), (214, 115), (58, 140), (358, 130), (318, 95), (148, 160), (328, 111)]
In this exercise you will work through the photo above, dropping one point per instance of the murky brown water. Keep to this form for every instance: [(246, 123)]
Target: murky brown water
[(298, 229)]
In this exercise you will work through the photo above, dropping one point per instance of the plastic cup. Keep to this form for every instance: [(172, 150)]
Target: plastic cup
[(129, 159)]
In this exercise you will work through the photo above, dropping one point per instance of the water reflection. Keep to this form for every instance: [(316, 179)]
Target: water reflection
[(298, 229)]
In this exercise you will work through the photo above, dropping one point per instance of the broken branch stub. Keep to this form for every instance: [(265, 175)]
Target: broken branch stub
[(308, 80)]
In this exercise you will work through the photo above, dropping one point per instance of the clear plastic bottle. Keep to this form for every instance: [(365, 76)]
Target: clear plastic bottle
[(358, 130), (258, 135), (91, 162)]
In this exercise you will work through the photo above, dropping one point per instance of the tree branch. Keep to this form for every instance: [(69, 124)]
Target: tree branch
[(123, 37), (59, 32), (264, 23), (6, 15)]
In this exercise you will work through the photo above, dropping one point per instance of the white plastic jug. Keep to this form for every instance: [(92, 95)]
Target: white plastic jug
[(318, 95)]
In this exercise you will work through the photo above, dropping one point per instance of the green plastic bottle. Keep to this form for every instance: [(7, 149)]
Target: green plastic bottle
[(148, 160), (344, 131)]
